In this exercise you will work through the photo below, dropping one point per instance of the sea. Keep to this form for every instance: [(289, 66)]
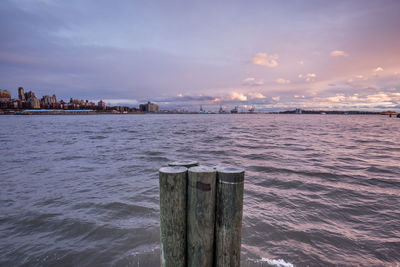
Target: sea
[(83, 190)]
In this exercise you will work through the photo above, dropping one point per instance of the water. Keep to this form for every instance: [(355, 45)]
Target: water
[(83, 190)]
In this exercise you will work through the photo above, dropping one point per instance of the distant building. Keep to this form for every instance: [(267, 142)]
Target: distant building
[(33, 102), (16, 104), (89, 104), (63, 105), (298, 111), (5, 99), (79, 104), (48, 101), (5, 95), (29, 95), (76, 101), (30, 99), (21, 94), (149, 107), (101, 105)]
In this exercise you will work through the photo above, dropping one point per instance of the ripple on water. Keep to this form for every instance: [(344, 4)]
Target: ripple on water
[(97, 137), (319, 190)]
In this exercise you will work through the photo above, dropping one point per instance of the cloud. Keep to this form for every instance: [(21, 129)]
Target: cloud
[(383, 97), (276, 99), (282, 81), (301, 62), (193, 100), (252, 82), (336, 99), (309, 77), (378, 69), (338, 53), (180, 98), (370, 88), (255, 95), (339, 101), (263, 59), (238, 96)]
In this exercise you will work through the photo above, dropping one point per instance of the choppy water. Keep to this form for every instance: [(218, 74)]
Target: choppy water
[(83, 190)]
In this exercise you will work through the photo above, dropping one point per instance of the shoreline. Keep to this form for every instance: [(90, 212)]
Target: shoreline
[(114, 112)]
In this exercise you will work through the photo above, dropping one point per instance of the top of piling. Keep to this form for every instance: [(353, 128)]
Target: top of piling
[(184, 163), (202, 168), (173, 169), (229, 169), (230, 175)]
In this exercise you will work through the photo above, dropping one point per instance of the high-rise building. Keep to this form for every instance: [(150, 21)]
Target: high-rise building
[(29, 95), (149, 107), (34, 102), (21, 94), (102, 105), (31, 100)]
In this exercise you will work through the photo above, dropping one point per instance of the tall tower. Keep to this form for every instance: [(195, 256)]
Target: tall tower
[(21, 94)]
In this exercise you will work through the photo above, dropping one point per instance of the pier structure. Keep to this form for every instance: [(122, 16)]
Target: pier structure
[(201, 210)]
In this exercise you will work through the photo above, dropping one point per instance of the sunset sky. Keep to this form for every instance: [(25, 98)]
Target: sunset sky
[(273, 55)]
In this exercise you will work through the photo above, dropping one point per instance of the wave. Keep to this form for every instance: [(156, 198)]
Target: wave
[(274, 262)]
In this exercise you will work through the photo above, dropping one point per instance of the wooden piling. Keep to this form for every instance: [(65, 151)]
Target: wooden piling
[(229, 212), (173, 197), (201, 216), (184, 163)]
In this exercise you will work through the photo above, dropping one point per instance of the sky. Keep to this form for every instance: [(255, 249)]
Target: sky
[(267, 54)]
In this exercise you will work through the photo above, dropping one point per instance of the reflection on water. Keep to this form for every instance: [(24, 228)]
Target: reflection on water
[(83, 190)]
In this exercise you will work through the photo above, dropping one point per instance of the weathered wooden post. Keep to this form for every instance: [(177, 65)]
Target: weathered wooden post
[(229, 212), (184, 163), (173, 197), (201, 216)]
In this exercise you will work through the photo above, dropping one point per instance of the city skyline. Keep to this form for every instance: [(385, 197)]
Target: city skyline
[(29, 101), (270, 55)]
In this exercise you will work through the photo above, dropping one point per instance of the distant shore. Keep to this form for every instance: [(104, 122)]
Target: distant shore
[(109, 112), (62, 112)]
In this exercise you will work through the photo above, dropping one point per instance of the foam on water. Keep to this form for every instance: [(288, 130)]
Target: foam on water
[(271, 262), (278, 263)]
